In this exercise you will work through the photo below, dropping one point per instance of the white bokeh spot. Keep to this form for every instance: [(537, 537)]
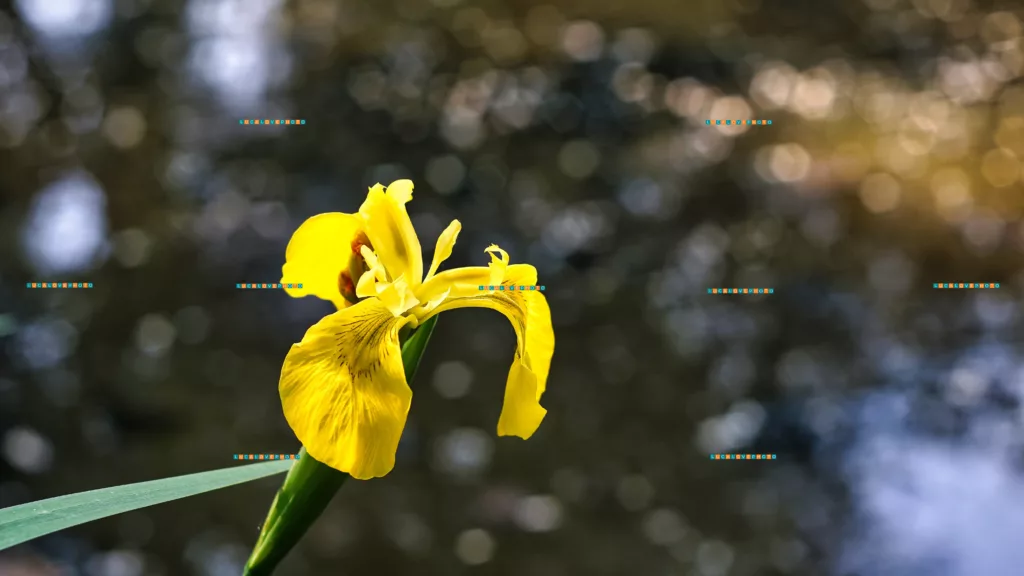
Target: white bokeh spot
[(66, 227)]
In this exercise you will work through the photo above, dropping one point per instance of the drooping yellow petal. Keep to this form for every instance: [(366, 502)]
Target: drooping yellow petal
[(429, 306), (391, 232), (465, 282), (317, 254), (530, 316), (443, 249), (343, 389)]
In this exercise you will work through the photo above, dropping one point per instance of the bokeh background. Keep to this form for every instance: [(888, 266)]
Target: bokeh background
[(572, 134)]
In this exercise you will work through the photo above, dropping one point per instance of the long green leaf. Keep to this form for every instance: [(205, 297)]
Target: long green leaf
[(310, 485), (23, 523)]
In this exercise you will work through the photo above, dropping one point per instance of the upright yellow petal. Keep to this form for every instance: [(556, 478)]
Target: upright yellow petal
[(390, 231), (343, 390), (530, 316), (317, 254), (443, 249), (499, 261), (366, 286), (401, 191)]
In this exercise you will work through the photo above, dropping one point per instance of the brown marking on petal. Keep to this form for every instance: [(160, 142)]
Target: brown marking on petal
[(357, 264), (347, 287), (359, 241), (348, 279)]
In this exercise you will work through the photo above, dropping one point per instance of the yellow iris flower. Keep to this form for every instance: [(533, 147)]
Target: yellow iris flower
[(343, 386)]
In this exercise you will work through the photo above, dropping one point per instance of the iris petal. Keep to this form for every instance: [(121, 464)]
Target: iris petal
[(318, 253), (457, 282), (391, 232), (499, 261), (343, 390), (396, 296), (530, 316), (444, 246)]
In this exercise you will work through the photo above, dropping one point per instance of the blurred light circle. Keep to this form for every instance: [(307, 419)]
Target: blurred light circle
[(642, 197), (411, 534), (27, 450), (583, 41), (475, 547), (731, 107), (464, 452), (154, 334), (445, 173), (714, 558), (270, 219), (578, 159), (632, 82), (880, 193), (66, 17), (635, 492), (116, 563), (813, 98), (634, 45), (1000, 167), (453, 379), (125, 127), (789, 162), (664, 527), (541, 513), (773, 84), (983, 230), (66, 227), (686, 97), (1000, 27), (131, 247), (46, 343)]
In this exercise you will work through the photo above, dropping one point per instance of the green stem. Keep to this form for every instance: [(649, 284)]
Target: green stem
[(306, 491), (310, 485)]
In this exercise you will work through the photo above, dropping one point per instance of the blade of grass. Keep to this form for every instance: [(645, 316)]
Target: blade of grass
[(23, 523), (310, 485)]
